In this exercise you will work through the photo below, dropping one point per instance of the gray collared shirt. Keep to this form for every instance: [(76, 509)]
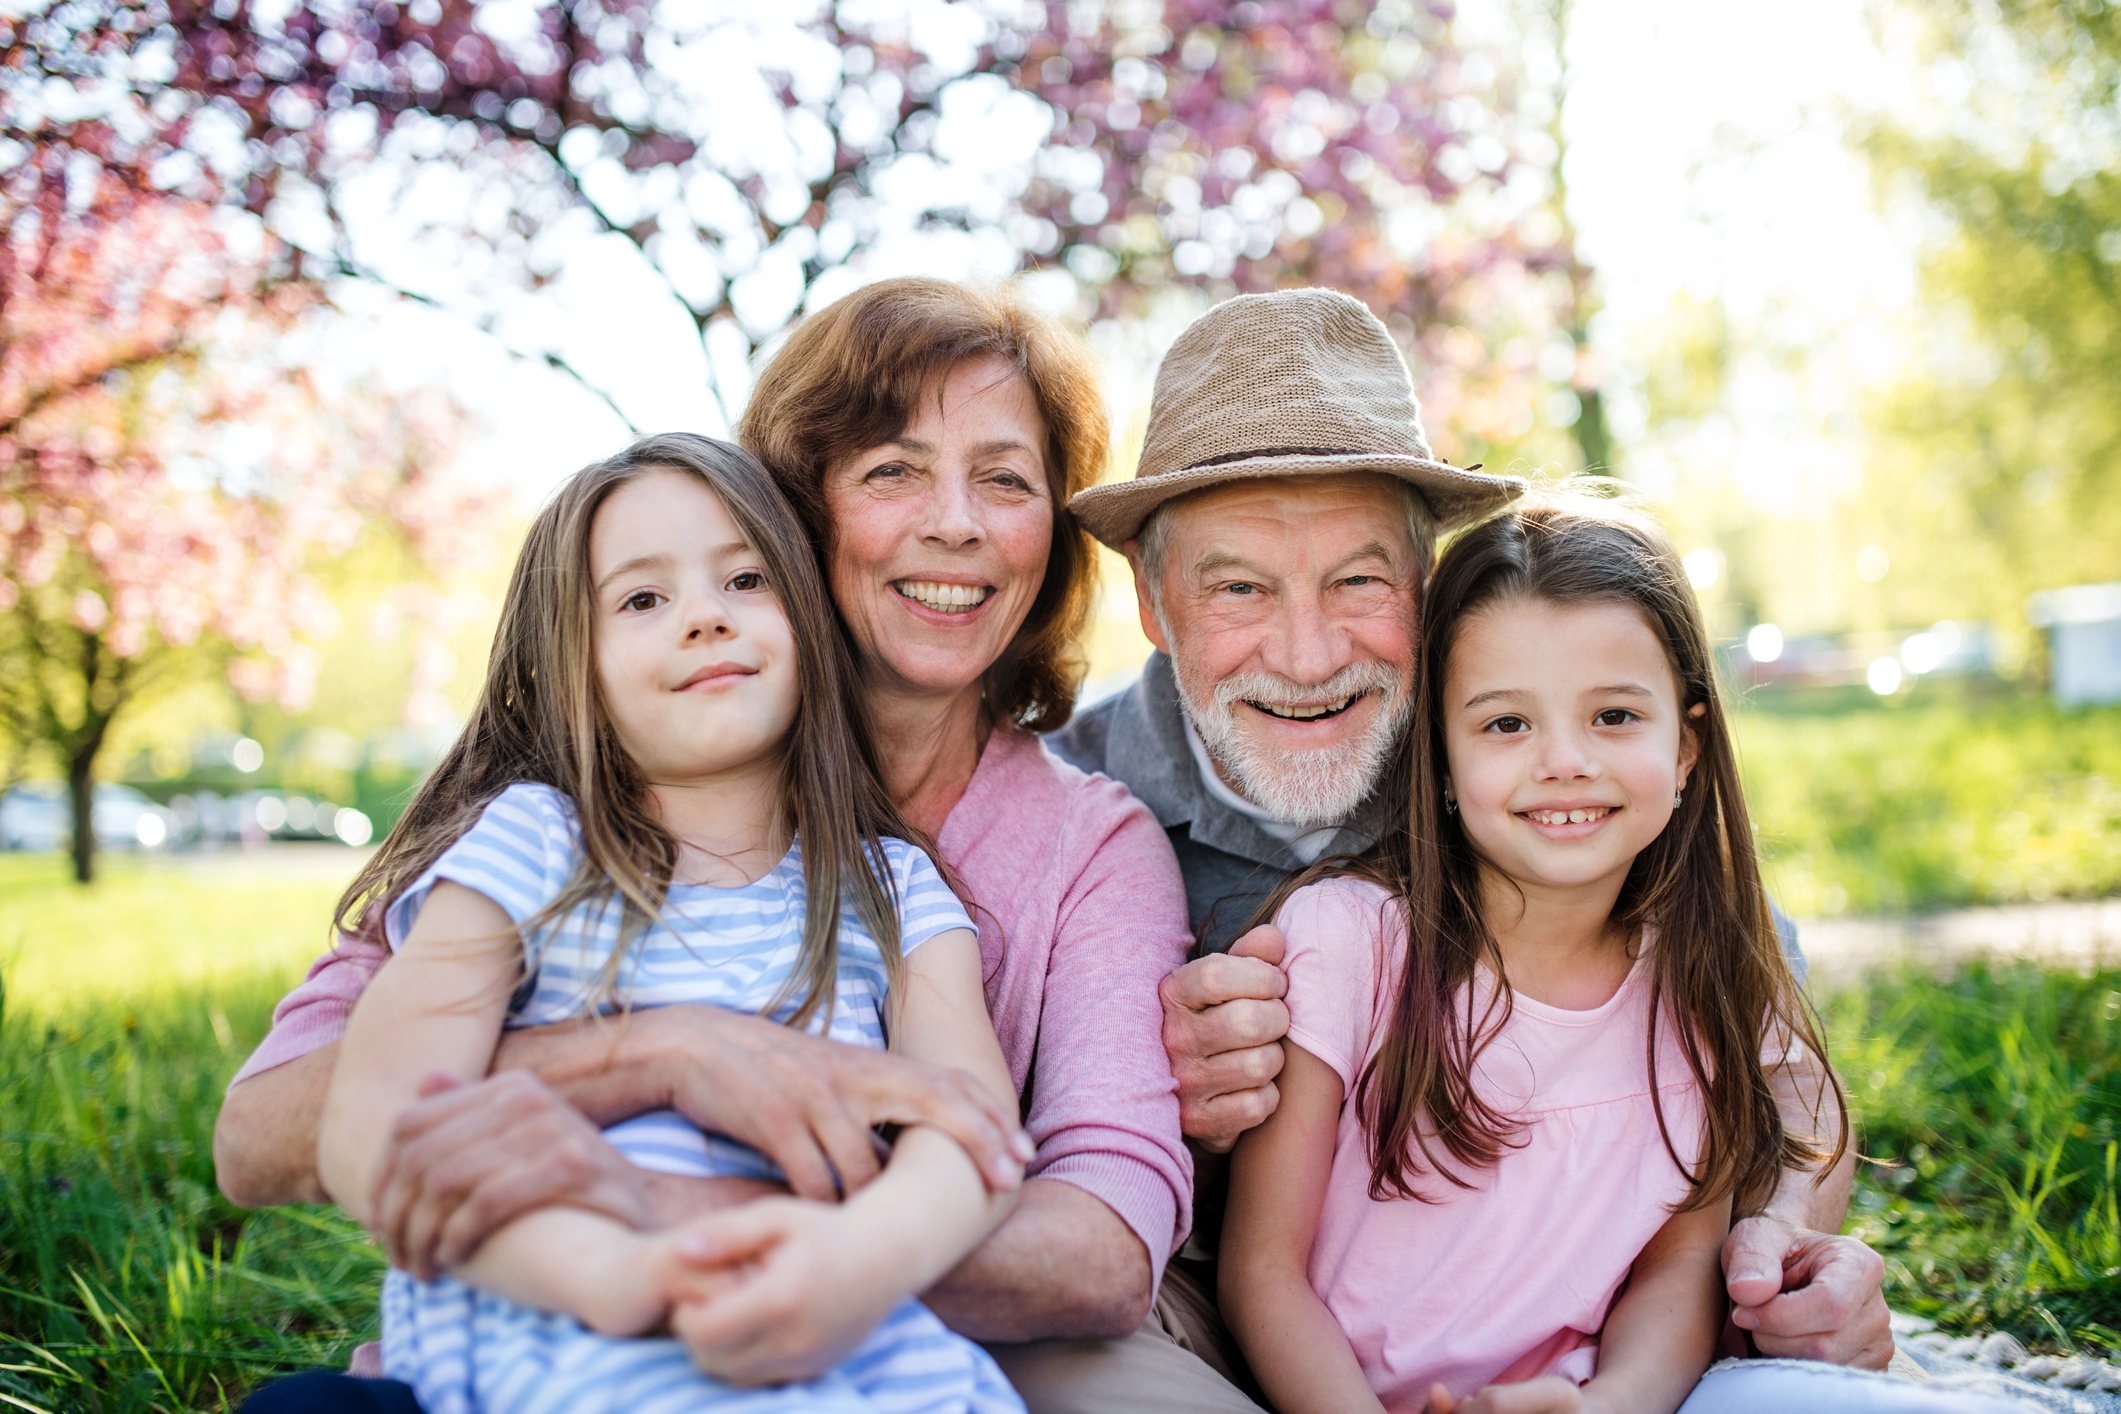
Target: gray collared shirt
[(1230, 864)]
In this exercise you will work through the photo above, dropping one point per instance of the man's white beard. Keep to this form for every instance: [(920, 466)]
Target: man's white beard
[(1306, 788)]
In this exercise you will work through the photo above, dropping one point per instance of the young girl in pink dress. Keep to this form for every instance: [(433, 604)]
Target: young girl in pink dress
[(1534, 1039)]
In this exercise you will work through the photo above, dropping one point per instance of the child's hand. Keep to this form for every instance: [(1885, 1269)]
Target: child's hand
[(780, 1289), (1549, 1394)]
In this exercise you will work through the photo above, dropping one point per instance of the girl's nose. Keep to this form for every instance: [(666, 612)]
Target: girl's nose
[(709, 619), (1567, 757)]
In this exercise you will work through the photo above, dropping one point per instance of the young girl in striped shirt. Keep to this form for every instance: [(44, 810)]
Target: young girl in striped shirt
[(663, 797)]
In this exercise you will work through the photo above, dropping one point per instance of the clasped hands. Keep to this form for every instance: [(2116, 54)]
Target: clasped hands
[(763, 1286)]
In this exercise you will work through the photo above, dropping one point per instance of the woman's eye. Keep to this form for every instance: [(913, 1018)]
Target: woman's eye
[(641, 600), (889, 471), (747, 581), (1614, 717)]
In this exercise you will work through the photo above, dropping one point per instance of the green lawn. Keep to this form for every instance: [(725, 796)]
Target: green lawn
[(127, 1283)]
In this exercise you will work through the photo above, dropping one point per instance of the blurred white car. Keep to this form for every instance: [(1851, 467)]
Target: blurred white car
[(37, 815)]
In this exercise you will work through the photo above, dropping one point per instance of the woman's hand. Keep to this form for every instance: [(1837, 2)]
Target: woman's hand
[(806, 1103), (1549, 1394), (781, 1289)]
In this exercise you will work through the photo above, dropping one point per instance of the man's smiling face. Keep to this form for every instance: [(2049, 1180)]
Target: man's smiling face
[(1288, 608)]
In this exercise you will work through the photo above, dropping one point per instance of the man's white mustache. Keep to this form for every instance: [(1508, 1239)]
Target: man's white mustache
[(1274, 690)]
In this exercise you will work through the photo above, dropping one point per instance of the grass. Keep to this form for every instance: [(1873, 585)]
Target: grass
[(1990, 1101), (1885, 809), (127, 1283)]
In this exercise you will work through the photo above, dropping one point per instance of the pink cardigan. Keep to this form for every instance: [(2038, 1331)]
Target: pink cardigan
[(1081, 913)]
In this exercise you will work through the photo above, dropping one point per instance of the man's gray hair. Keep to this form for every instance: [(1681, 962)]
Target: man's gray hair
[(1154, 542)]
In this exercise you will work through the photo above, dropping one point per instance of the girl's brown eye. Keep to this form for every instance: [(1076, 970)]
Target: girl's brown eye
[(748, 581), (642, 601), (1615, 717)]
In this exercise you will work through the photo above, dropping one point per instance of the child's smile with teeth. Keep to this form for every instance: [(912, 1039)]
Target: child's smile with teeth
[(1578, 816)]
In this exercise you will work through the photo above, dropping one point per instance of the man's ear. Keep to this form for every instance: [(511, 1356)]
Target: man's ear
[(1144, 601), (1690, 741)]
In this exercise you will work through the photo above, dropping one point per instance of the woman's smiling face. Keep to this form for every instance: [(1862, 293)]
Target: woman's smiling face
[(940, 538)]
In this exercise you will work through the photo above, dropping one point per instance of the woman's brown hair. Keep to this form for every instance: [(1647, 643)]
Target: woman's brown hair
[(852, 376), (541, 717), (1718, 974)]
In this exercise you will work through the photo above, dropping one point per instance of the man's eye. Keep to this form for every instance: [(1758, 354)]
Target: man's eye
[(641, 600), (747, 581), (1614, 717), (1242, 588), (1357, 581)]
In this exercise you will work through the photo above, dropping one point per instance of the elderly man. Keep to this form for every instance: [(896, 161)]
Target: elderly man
[(1279, 529)]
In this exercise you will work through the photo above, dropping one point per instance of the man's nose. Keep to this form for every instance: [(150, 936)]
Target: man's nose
[(1309, 645), (952, 521)]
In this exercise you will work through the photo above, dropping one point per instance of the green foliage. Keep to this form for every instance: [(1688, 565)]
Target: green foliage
[(1991, 1103), (126, 1281), (1935, 805), (1996, 447)]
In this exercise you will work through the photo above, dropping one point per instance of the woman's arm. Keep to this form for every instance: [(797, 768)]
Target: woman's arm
[(1278, 1177), (439, 1006), (805, 1282)]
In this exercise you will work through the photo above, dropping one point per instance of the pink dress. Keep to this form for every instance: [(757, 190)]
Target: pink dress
[(1513, 1277)]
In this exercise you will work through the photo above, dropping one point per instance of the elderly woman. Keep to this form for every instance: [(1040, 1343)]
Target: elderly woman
[(931, 436)]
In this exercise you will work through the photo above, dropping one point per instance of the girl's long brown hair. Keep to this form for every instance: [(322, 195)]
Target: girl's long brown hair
[(540, 717), (1718, 974)]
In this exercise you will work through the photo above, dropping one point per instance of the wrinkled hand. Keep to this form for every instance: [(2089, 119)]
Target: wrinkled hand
[(1223, 1022), (1549, 1394), (809, 1104), (779, 1290), (1808, 1295), (471, 1156)]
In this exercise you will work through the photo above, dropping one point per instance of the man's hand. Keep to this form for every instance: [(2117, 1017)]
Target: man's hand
[(807, 1104), (1223, 1023), (469, 1158), (1807, 1295)]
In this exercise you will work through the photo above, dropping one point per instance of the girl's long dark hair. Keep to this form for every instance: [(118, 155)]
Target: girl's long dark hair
[(1718, 975), (540, 717)]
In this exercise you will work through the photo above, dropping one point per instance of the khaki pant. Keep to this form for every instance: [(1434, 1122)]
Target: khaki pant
[(1182, 1360)]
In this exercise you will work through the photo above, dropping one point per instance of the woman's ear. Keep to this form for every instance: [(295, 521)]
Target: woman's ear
[(1690, 741)]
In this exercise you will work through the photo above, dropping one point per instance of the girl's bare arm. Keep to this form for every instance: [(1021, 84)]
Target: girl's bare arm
[(1661, 1333), (1278, 1178), (803, 1282), (439, 1006)]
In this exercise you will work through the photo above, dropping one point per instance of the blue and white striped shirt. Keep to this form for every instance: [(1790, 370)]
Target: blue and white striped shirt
[(727, 947)]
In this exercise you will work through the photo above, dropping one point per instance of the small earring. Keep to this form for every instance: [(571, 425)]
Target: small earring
[(1678, 797), (1450, 803)]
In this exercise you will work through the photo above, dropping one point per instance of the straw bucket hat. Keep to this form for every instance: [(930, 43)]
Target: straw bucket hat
[(1295, 383)]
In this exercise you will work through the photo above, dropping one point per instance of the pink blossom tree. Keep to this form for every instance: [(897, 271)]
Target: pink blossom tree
[(169, 485), (1189, 143)]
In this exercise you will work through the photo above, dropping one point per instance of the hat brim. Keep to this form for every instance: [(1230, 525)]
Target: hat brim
[(1114, 512)]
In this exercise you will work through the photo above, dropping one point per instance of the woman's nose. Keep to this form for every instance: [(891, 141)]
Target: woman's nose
[(952, 521)]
